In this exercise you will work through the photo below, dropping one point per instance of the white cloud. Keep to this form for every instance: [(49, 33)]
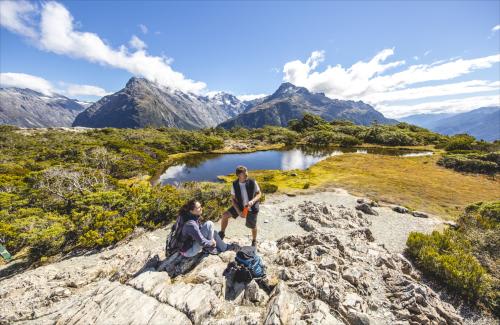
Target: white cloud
[(495, 28), (459, 88), (57, 34), (23, 80), (336, 81), (445, 106), (136, 43), (250, 97), (85, 90), (371, 82), (143, 28), (432, 72), (427, 52), (17, 16)]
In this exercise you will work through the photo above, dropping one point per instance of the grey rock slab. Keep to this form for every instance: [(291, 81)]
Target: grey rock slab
[(284, 307)]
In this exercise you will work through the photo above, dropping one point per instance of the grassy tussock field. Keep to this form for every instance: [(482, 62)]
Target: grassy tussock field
[(415, 182)]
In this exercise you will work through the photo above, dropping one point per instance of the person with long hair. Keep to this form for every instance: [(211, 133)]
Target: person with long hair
[(197, 237)]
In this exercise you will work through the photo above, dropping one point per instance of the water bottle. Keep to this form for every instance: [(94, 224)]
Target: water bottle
[(244, 213)]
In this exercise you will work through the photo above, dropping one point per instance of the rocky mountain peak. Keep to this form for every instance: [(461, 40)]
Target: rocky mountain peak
[(145, 103), (292, 102), (288, 88), (136, 81)]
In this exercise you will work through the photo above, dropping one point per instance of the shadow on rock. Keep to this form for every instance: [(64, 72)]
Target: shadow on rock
[(177, 264)]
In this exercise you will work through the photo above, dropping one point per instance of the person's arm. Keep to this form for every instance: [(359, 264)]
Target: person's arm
[(255, 199), (257, 196), (193, 230)]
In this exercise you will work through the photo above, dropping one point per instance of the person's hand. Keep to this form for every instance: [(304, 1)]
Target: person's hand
[(250, 203), (213, 243)]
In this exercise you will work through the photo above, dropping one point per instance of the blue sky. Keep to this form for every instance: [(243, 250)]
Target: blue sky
[(401, 57)]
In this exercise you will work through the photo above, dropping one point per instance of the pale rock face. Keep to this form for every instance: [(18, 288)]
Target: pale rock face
[(28, 108), (335, 273)]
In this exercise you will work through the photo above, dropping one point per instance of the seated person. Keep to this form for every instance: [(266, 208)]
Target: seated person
[(197, 237)]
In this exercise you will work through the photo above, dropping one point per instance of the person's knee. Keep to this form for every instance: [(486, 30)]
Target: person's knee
[(209, 224), (226, 215)]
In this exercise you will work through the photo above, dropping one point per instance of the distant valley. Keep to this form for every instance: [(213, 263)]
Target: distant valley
[(482, 123)]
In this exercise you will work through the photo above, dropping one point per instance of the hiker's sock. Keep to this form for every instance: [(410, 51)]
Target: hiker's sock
[(221, 234), (254, 243)]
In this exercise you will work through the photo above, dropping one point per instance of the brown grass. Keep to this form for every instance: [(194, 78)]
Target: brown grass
[(415, 182)]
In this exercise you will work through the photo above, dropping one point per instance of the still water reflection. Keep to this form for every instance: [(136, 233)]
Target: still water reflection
[(206, 167)]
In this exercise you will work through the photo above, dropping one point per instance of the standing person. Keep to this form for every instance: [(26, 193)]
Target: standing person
[(245, 193), (196, 236)]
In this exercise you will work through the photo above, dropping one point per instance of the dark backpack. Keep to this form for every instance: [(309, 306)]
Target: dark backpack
[(249, 264), (174, 238)]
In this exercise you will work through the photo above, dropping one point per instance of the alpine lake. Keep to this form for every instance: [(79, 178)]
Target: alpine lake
[(206, 167)]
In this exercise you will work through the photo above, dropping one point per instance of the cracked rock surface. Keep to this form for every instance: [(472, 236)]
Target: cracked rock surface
[(330, 270)]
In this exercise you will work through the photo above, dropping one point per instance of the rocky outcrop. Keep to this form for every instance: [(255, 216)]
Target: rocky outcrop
[(335, 273)]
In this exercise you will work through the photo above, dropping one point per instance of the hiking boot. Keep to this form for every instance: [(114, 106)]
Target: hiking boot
[(211, 250), (233, 247), (254, 243), (221, 234)]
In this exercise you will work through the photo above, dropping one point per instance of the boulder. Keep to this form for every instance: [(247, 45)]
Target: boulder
[(254, 294), (400, 209), (419, 214), (366, 208)]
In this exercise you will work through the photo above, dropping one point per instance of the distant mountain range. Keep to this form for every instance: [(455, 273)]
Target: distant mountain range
[(144, 103), (482, 123), (291, 102), (29, 108)]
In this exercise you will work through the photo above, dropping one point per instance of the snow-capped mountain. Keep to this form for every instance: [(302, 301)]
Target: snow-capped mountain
[(144, 103), (29, 108)]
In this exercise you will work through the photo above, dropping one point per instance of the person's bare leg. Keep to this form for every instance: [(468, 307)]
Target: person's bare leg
[(254, 233), (224, 221)]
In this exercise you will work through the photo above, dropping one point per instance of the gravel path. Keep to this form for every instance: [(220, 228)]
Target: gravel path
[(389, 228)]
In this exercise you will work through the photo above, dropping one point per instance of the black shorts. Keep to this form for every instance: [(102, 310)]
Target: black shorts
[(250, 220)]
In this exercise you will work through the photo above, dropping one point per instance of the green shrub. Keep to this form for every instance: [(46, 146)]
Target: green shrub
[(460, 142), (268, 187), (307, 122), (32, 227), (389, 137), (466, 259), (472, 163), (324, 138), (447, 256), (349, 141)]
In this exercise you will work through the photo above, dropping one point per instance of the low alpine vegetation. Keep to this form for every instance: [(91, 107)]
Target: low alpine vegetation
[(466, 259)]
